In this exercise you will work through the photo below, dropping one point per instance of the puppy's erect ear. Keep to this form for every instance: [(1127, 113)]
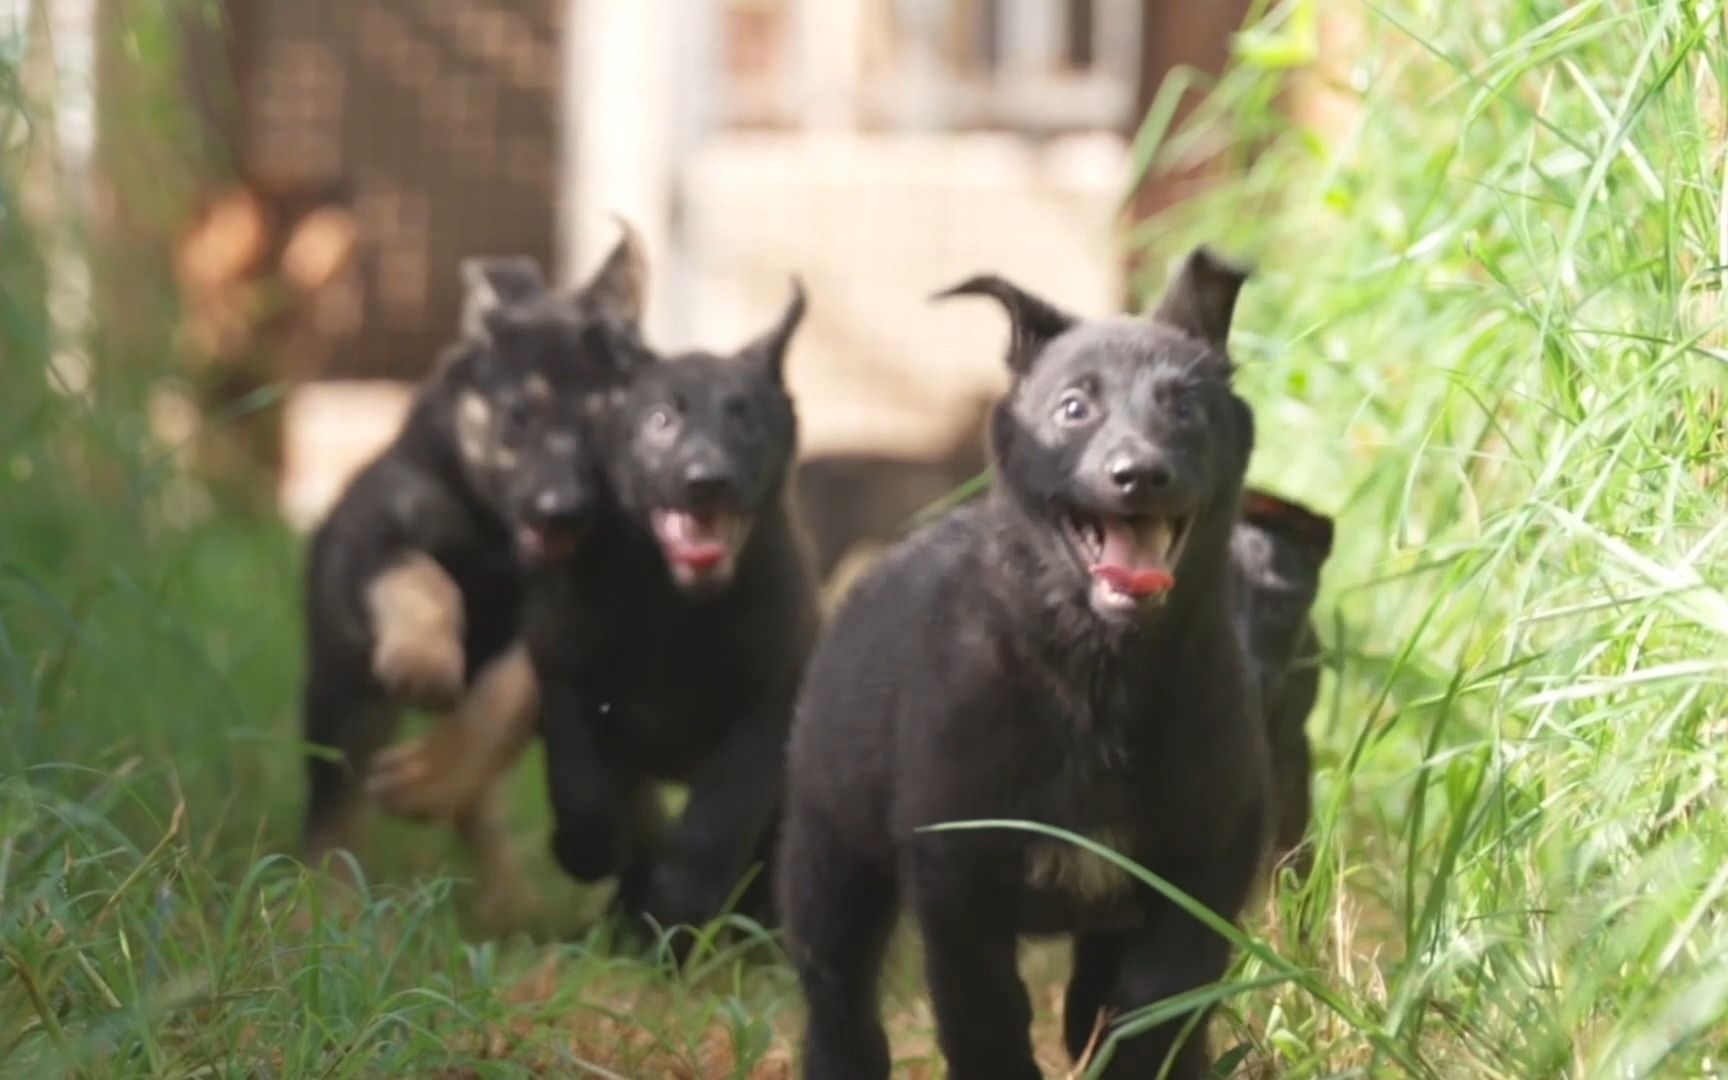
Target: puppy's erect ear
[(610, 349), (1289, 518), (769, 350), (619, 289), (1034, 322), (1201, 297), (493, 282)]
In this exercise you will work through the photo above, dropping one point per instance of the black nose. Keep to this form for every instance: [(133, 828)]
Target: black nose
[(706, 484), (1135, 474), (557, 507)]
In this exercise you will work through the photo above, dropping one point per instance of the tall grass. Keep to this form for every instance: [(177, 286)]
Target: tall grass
[(1485, 333)]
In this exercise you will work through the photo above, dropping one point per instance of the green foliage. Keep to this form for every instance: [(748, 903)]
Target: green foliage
[(1485, 333)]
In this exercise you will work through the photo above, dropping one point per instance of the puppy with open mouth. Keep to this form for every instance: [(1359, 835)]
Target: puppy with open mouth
[(670, 648), (414, 579), (1060, 651)]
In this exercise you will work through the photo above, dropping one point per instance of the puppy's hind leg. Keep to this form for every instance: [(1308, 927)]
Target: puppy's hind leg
[(345, 724), (838, 913), (1097, 960)]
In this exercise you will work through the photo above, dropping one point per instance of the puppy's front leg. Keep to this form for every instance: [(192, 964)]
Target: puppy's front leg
[(446, 771), (1173, 952), (593, 800), (967, 914), (733, 800), (415, 612)]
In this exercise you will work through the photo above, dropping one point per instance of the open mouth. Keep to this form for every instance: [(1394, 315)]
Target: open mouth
[(1132, 560), (700, 546), (538, 544)]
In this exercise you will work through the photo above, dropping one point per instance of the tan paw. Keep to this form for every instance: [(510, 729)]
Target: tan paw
[(422, 670), (434, 777), (502, 906)]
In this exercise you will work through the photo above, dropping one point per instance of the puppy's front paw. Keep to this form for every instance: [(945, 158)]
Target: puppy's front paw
[(588, 855), (678, 896), (422, 670), (434, 777)]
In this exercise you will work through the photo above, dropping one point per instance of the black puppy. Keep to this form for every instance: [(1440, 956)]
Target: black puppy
[(1061, 651), (671, 649), (1278, 548), (414, 580)]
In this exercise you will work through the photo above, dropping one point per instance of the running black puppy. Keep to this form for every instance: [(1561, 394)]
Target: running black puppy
[(414, 580), (1061, 651), (1279, 548), (671, 649)]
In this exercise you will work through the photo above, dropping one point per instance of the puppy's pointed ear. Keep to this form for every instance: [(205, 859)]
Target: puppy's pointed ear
[(769, 350), (612, 350), (1201, 298), (1289, 518), (493, 282), (619, 289), (1034, 322)]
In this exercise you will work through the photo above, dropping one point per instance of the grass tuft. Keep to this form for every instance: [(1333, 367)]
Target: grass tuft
[(1486, 332)]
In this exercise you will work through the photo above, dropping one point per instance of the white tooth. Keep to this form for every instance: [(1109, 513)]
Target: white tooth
[(1159, 535)]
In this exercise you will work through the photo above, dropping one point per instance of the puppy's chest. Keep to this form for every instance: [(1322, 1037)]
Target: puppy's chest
[(492, 591), (1093, 802), (1108, 780), (671, 696)]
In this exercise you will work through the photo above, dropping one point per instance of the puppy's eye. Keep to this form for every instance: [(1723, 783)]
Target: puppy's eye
[(1183, 407), (1074, 408), (519, 415), (661, 423)]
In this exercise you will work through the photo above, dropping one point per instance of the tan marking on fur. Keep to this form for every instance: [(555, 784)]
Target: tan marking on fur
[(416, 613), (473, 425), (505, 894), (1064, 867), (505, 458), (443, 773), (538, 388)]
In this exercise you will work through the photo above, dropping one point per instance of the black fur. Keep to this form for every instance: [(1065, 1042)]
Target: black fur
[(981, 671), (654, 669), (1279, 548), (492, 468)]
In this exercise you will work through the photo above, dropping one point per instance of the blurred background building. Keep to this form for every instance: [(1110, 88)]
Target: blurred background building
[(879, 148)]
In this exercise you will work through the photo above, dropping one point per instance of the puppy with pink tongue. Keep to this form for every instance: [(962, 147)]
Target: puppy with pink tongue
[(701, 547), (671, 647)]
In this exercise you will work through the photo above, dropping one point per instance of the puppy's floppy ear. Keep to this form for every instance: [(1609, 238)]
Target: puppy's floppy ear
[(769, 350), (493, 282), (1201, 298), (1034, 322), (619, 289)]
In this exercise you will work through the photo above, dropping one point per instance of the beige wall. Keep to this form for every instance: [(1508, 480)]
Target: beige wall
[(875, 224)]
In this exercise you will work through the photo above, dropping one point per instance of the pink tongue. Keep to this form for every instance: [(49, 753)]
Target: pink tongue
[(692, 541), (536, 544), (1133, 560)]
